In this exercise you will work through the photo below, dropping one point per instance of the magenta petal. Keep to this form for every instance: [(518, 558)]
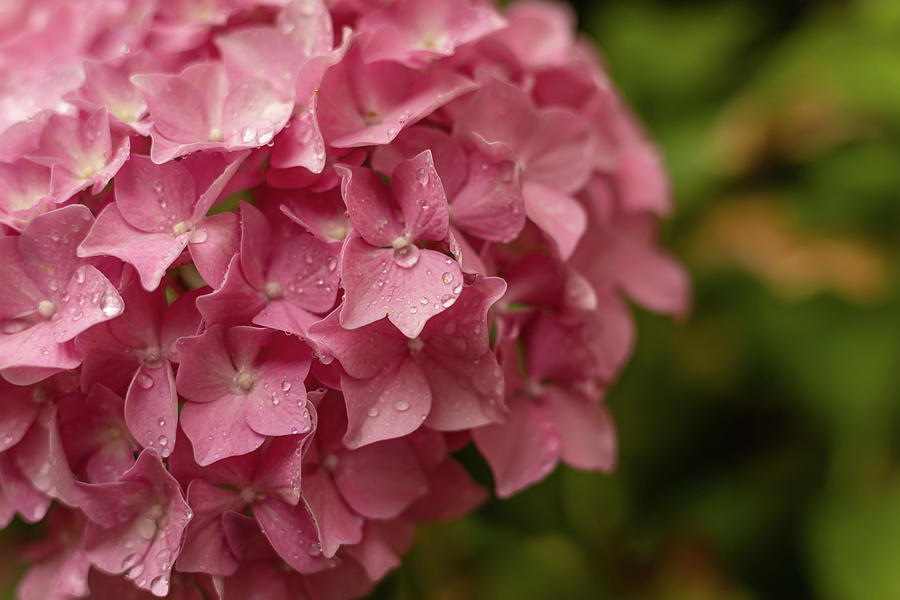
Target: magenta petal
[(335, 522), (42, 458), (206, 548), (305, 268), (465, 393), (92, 299), (64, 228), (420, 194), (383, 543), (206, 371), (150, 253), (284, 316), (364, 352), (451, 494), (18, 492), (256, 244), (362, 105), (361, 474), (218, 429), (292, 534), (490, 205), (17, 412), (521, 451), (408, 295), (561, 217), (586, 429), (213, 244), (654, 280), (389, 405), (236, 302), (373, 212), (154, 198), (279, 398), (176, 107), (151, 407), (449, 159), (136, 523)]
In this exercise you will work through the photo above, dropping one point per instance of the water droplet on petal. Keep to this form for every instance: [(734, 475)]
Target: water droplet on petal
[(447, 278), (145, 382), (286, 385), (422, 177), (401, 405), (163, 440), (199, 235), (406, 256), (111, 305), (373, 412), (160, 586)]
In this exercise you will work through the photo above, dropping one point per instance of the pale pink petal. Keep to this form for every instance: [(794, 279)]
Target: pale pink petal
[(420, 194), (292, 534), (373, 212), (587, 434), (335, 522), (213, 244), (151, 407), (521, 451), (361, 474), (561, 217), (389, 405), (150, 253), (410, 285)]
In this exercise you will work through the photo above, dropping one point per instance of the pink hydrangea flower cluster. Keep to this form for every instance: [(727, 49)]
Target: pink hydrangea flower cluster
[(266, 264)]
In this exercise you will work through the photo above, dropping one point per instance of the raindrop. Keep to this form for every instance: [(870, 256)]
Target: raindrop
[(423, 300), (146, 382), (163, 440), (247, 135), (199, 235), (422, 176), (406, 256), (160, 586), (401, 405), (373, 412), (413, 310), (111, 305), (447, 278), (161, 423), (448, 301), (286, 385), (79, 275)]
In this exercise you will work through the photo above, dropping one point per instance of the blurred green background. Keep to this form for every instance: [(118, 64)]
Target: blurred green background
[(760, 439)]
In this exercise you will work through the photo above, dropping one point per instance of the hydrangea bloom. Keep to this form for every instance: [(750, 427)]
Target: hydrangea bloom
[(266, 265)]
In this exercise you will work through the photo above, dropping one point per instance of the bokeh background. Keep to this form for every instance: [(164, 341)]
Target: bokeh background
[(760, 438)]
